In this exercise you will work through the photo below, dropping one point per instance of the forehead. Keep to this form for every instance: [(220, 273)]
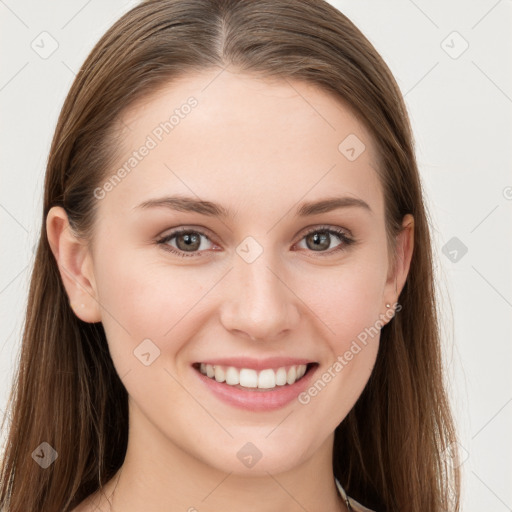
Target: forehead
[(241, 139)]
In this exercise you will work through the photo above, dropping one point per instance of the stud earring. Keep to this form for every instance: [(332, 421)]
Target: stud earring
[(388, 306)]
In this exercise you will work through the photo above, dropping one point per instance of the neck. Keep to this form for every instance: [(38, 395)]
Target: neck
[(159, 475)]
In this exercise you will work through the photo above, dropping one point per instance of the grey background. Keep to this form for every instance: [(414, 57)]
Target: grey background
[(460, 106)]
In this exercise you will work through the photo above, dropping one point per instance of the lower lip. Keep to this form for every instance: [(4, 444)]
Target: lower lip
[(258, 400)]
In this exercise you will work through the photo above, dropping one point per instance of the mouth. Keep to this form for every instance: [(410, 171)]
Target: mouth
[(249, 379)]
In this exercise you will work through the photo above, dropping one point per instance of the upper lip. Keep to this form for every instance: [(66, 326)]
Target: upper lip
[(256, 364)]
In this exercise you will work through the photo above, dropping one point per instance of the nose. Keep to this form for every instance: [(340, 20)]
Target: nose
[(260, 304)]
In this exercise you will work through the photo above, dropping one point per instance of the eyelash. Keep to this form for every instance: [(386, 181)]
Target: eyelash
[(341, 234)]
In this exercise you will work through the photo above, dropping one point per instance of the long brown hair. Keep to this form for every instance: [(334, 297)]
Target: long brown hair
[(390, 451)]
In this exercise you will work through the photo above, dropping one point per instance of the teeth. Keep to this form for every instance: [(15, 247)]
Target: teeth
[(292, 375), (267, 379), (249, 378), (220, 376), (281, 377), (232, 376)]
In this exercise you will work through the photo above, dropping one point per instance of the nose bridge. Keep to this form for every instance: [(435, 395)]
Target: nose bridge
[(261, 304)]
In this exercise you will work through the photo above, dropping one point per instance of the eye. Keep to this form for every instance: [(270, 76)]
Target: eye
[(188, 242), (319, 238)]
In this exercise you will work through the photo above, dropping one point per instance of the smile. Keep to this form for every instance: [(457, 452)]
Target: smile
[(268, 378)]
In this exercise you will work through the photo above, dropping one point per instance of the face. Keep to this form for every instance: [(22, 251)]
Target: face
[(260, 280)]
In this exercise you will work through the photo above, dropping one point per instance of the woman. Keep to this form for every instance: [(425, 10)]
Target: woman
[(232, 304)]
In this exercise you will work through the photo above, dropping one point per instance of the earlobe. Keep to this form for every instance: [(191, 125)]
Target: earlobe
[(75, 265)]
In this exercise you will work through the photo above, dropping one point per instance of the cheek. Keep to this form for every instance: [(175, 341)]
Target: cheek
[(143, 299), (346, 301), (347, 308)]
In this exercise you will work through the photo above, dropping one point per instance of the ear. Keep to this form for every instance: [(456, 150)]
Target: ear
[(75, 265), (398, 275)]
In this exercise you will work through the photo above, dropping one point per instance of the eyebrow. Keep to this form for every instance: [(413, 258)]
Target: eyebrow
[(190, 204)]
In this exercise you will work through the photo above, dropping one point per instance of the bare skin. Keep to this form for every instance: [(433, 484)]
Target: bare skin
[(258, 148)]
